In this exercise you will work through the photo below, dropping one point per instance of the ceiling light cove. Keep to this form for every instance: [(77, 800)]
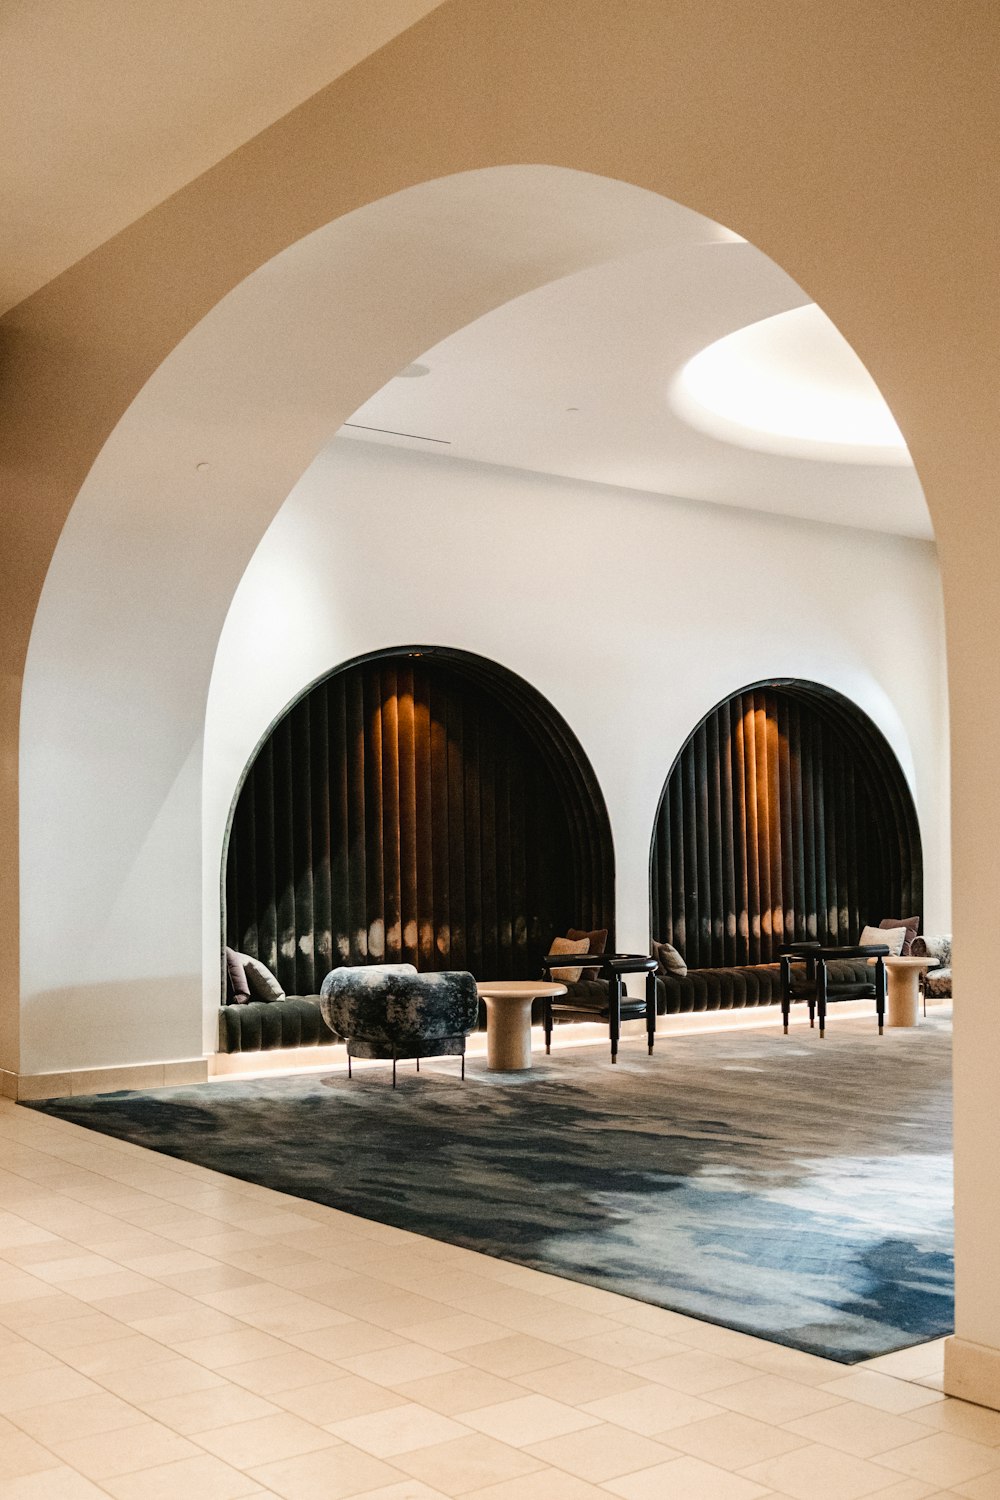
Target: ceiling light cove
[(789, 384)]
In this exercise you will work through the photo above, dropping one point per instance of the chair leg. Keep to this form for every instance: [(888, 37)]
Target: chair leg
[(650, 1011), (463, 1067), (418, 1064), (547, 1023), (394, 1070), (349, 1073), (615, 1013), (821, 998), (812, 1011), (880, 995), (786, 992)]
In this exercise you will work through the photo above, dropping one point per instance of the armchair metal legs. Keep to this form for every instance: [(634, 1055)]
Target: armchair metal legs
[(350, 1073)]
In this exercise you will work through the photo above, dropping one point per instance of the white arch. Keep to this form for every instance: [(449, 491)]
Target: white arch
[(123, 804), (125, 635)]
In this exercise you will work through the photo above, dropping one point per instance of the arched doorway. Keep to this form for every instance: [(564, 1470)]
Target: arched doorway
[(417, 805), (785, 817), (812, 161)]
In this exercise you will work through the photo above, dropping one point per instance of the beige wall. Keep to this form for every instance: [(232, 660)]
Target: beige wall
[(855, 143)]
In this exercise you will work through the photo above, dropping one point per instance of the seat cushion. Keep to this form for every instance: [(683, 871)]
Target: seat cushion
[(262, 1026), (586, 992), (407, 1047), (736, 988), (846, 979), (937, 984)]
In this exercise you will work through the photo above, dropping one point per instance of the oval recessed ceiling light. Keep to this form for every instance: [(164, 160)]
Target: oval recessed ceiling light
[(790, 384), (413, 372)]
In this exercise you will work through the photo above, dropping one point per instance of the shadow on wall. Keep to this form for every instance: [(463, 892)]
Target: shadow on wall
[(785, 817), (417, 805)]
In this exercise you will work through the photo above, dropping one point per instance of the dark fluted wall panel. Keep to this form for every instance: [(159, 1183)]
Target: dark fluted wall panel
[(430, 809), (785, 818)]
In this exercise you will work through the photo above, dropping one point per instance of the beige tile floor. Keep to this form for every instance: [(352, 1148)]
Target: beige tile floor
[(169, 1332)]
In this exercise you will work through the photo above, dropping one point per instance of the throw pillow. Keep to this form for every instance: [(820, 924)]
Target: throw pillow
[(237, 987), (668, 958), (598, 940), (568, 945), (912, 925), (892, 937), (263, 985)]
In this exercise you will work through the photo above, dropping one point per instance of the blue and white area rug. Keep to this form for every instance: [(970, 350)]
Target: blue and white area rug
[(796, 1189)]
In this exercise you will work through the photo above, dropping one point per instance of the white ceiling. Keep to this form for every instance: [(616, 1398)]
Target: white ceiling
[(107, 109), (790, 384), (574, 379)]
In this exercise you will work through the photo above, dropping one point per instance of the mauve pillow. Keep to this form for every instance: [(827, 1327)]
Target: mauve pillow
[(912, 925), (263, 985), (567, 945), (236, 974), (598, 940)]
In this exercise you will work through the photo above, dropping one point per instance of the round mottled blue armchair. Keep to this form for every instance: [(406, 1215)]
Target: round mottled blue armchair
[(391, 1011)]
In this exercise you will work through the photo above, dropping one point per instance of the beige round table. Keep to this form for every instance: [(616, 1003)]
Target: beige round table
[(508, 1020), (903, 990)]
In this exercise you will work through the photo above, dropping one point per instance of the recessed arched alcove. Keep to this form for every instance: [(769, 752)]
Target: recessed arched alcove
[(785, 817), (418, 805)]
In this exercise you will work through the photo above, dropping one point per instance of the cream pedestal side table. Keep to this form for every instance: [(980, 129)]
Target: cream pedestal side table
[(902, 1006), (508, 1020)]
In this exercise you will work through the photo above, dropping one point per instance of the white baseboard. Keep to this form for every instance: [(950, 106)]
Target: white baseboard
[(33, 1086), (972, 1372)]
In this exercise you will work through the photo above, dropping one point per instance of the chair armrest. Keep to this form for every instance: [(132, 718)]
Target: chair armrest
[(869, 950)]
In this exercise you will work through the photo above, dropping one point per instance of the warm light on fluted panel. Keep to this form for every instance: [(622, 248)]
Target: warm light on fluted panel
[(432, 810), (786, 817)]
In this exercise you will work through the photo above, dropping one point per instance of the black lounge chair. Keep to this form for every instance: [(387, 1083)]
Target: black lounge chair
[(820, 975)]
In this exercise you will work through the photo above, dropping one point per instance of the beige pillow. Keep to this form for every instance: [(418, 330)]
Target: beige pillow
[(568, 945), (263, 985), (668, 958), (892, 937)]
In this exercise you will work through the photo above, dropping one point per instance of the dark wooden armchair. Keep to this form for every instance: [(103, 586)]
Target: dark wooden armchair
[(822, 975)]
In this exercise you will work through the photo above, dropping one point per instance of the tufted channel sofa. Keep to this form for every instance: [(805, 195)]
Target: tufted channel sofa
[(739, 988), (733, 989), (265, 1025)]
